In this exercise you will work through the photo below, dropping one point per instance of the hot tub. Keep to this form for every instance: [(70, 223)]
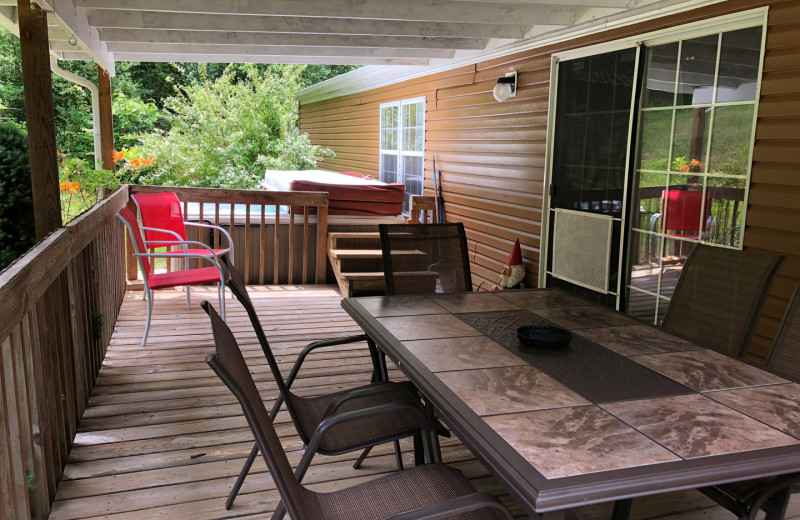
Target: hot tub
[(350, 193)]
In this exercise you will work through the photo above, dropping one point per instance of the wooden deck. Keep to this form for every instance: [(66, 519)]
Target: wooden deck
[(162, 437)]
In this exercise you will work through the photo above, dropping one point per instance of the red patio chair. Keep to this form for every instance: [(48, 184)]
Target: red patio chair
[(163, 225), (683, 210), (186, 277)]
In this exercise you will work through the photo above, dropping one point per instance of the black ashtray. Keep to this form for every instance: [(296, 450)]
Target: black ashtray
[(544, 336)]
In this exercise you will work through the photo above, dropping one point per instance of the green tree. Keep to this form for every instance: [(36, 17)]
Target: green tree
[(224, 133), (17, 231)]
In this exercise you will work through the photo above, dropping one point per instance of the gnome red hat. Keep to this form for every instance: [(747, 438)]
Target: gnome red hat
[(513, 272)]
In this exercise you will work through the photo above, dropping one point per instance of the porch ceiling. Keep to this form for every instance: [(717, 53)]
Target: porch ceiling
[(359, 32)]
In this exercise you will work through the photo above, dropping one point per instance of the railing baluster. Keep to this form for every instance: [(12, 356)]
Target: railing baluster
[(276, 246), (232, 228), (216, 223), (306, 256), (247, 243), (262, 250), (322, 236), (291, 247)]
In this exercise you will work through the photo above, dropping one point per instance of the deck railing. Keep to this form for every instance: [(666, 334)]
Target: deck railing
[(279, 236), (59, 304), (60, 301)]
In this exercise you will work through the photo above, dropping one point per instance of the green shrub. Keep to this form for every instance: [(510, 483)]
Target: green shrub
[(225, 133), (17, 231)]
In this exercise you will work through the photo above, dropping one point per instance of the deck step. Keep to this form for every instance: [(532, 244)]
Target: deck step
[(362, 276), (336, 235), (355, 253)]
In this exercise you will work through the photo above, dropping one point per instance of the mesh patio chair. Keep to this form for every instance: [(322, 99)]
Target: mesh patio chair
[(719, 297), (153, 281), (310, 414), (163, 225), (425, 258), (429, 491), (747, 498)]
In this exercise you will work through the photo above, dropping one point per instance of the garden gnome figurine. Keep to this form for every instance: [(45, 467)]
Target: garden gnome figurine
[(513, 272)]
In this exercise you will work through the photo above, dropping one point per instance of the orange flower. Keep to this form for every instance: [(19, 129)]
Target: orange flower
[(59, 153), (149, 161), (71, 187), (118, 156), (137, 163), (64, 162), (684, 167)]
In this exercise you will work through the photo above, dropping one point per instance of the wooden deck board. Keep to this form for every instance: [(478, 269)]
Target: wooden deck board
[(162, 436)]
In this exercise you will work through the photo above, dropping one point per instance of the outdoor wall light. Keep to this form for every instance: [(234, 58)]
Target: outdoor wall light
[(506, 87)]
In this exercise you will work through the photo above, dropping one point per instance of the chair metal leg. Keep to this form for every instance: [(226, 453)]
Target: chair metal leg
[(361, 457), (776, 507), (149, 315), (622, 509), (398, 454), (419, 454), (188, 298), (242, 475), (222, 299)]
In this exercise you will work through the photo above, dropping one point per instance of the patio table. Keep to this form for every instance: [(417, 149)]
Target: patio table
[(624, 410)]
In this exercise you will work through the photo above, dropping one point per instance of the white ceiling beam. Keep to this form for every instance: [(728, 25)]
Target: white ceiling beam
[(8, 19), (233, 58), (584, 3), (277, 50), (314, 40), (427, 10), (102, 18), (87, 36)]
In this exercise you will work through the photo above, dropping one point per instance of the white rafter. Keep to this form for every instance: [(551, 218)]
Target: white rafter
[(404, 10), (191, 49), (103, 18), (87, 36), (238, 58), (314, 40)]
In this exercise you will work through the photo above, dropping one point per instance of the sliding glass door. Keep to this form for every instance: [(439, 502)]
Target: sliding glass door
[(650, 154)]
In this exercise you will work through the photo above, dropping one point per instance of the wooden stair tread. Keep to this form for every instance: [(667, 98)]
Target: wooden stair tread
[(362, 276), (355, 253), (354, 234)]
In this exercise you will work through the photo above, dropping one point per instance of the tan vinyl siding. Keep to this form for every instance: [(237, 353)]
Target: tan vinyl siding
[(492, 154)]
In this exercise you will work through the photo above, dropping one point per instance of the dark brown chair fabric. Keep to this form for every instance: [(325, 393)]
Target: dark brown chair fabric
[(784, 358), (425, 258), (308, 413), (747, 498), (434, 487), (719, 297)]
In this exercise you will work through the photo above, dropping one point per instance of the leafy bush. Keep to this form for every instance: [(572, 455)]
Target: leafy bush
[(17, 231), (225, 133)]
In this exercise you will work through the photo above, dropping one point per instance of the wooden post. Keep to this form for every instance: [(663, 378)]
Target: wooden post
[(106, 124), (106, 120), (40, 117)]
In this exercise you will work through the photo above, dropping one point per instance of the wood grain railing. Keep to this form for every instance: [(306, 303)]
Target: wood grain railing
[(279, 236), (59, 303)]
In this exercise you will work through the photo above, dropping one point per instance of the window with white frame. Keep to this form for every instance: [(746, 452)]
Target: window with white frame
[(402, 155)]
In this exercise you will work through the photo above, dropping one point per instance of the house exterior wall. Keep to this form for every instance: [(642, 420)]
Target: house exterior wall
[(492, 154)]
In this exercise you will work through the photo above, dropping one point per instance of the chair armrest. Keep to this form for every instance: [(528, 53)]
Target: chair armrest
[(373, 411), (212, 226), (182, 255), (453, 507), (320, 344), (167, 231), (182, 243), (373, 389)]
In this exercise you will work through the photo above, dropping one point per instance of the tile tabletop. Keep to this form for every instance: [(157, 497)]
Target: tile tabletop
[(621, 396)]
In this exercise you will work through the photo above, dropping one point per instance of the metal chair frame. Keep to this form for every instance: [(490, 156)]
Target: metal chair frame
[(180, 240), (440, 510), (378, 386), (148, 275), (761, 300)]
